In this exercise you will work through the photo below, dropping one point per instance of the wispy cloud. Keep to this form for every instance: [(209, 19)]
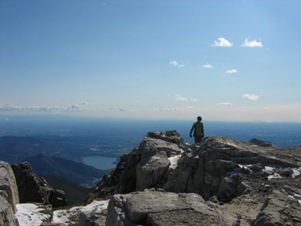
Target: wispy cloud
[(41, 109), (222, 42), (225, 104), (167, 109), (74, 108), (184, 109), (251, 97), (207, 66), (179, 97), (115, 109), (174, 63), (232, 71), (252, 43)]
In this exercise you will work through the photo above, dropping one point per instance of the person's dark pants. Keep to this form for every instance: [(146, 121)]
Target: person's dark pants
[(198, 139)]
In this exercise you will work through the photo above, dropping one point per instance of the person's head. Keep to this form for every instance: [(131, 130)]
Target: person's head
[(199, 118)]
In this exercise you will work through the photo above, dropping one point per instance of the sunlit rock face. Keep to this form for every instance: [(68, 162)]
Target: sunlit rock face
[(238, 177), (8, 195)]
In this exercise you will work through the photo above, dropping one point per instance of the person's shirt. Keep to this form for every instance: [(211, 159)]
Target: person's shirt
[(198, 128)]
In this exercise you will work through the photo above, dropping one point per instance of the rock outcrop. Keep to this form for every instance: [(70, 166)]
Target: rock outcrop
[(163, 208), (8, 195), (167, 182), (33, 188), (246, 181)]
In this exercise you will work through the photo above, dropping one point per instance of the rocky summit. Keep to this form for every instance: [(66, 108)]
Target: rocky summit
[(221, 181), (165, 181)]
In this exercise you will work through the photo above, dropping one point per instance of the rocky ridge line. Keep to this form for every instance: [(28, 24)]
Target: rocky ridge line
[(245, 183)]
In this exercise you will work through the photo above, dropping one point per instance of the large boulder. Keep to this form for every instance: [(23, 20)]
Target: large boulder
[(145, 166), (163, 208), (152, 170), (7, 215), (8, 195), (33, 188), (8, 185)]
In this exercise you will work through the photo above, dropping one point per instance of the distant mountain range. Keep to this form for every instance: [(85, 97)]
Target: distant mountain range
[(76, 172)]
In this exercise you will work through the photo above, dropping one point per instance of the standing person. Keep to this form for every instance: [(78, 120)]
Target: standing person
[(198, 130)]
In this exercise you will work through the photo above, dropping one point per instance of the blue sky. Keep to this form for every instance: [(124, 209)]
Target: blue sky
[(224, 60)]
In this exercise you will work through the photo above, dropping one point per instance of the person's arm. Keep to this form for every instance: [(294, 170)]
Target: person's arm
[(191, 130)]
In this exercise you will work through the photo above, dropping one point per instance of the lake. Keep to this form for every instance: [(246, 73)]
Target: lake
[(100, 162)]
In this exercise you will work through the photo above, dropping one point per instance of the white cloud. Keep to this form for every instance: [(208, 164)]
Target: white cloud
[(174, 63), (7, 107), (207, 66), (251, 96), (225, 104), (232, 71), (167, 109), (251, 44), (222, 42), (115, 109), (74, 108), (13, 108), (178, 97), (41, 109)]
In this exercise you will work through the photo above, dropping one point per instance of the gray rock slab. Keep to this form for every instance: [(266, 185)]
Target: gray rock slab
[(7, 216), (8, 184), (159, 208), (8, 195)]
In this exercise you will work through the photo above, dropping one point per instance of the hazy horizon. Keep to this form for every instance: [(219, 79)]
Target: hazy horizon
[(69, 126), (49, 117)]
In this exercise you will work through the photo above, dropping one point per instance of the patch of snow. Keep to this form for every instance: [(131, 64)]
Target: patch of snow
[(244, 166), (274, 176), (97, 206), (174, 161), (296, 172), (181, 151), (231, 144), (269, 169), (65, 216), (29, 214), (295, 197)]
